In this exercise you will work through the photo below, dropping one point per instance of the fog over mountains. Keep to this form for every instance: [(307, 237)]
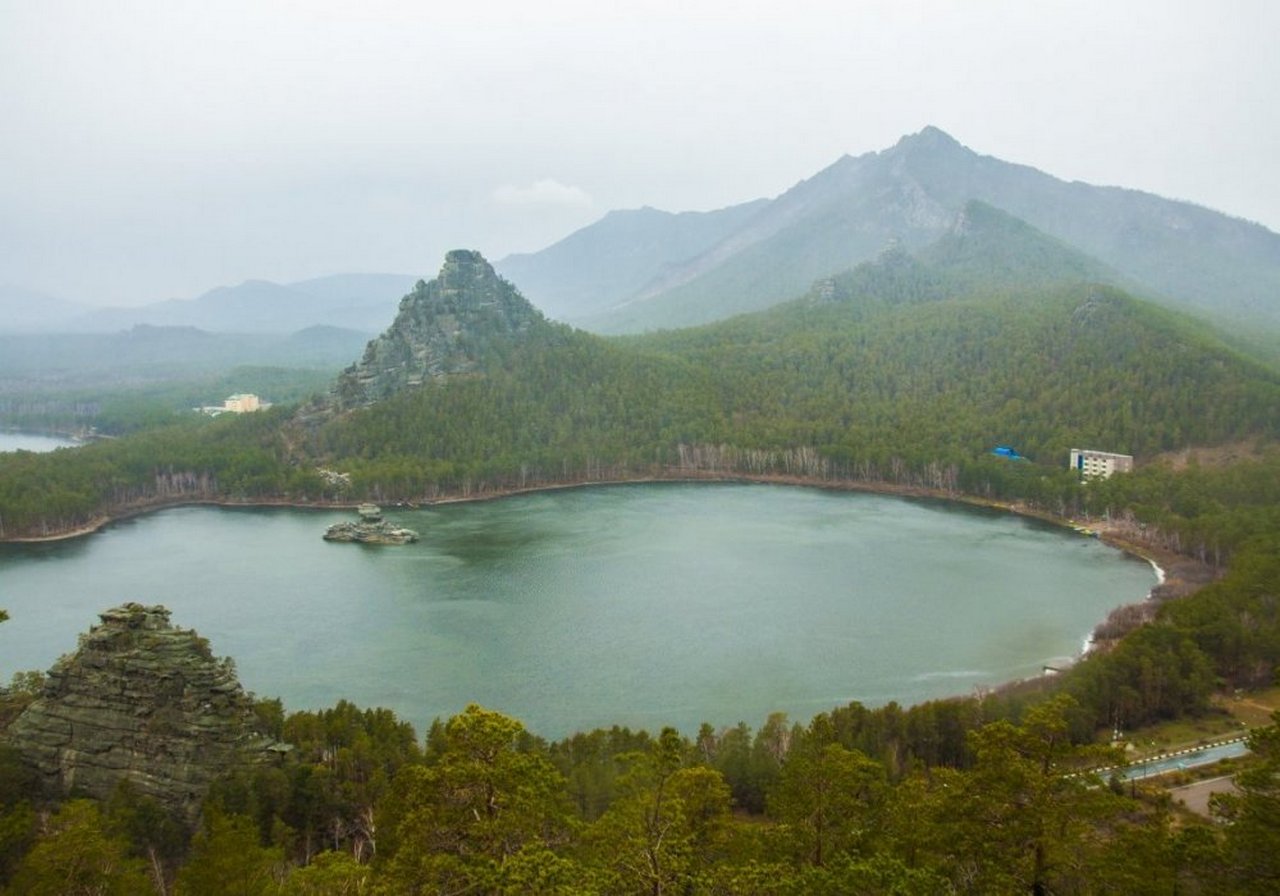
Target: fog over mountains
[(645, 269), (362, 302), (678, 270)]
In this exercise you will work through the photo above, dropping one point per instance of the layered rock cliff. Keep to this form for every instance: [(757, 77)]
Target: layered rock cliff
[(449, 326), (141, 701)]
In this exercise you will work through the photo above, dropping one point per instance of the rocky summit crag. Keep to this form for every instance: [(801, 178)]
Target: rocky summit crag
[(444, 328), (140, 701)]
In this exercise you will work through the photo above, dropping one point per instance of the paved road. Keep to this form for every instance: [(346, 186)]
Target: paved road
[(1189, 758)]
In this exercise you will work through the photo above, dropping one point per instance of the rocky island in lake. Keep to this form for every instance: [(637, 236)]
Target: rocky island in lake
[(372, 529)]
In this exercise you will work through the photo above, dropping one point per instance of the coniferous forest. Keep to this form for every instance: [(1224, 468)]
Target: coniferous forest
[(901, 374)]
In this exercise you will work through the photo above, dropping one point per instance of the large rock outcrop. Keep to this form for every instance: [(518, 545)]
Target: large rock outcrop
[(140, 701), (449, 326)]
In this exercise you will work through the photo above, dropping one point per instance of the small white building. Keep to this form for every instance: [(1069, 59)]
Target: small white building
[(1092, 464)]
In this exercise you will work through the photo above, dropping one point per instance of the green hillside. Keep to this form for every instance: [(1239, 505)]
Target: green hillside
[(1072, 366), (905, 371), (988, 335)]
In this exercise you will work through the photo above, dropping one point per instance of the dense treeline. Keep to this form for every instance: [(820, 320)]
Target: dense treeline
[(224, 458), (942, 381), (858, 388), (862, 384), (485, 807), (562, 406), (1206, 512), (912, 397), (114, 404)]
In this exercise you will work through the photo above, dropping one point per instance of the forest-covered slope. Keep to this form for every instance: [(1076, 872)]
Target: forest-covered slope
[(902, 364), (112, 384), (907, 370)]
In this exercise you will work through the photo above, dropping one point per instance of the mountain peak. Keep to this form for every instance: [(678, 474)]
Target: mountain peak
[(628, 280), (464, 270), (930, 137), (443, 328)]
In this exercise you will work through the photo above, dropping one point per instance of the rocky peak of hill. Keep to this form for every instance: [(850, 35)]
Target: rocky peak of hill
[(447, 327), (142, 701)]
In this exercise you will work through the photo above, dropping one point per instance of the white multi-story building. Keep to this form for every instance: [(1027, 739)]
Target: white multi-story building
[(1091, 464)]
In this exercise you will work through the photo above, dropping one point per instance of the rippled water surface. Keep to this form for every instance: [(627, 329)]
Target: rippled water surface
[(641, 605)]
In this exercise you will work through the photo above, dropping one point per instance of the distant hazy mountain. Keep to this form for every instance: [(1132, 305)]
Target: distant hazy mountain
[(363, 302), (908, 196), (360, 289), (26, 310), (607, 263), (146, 352)]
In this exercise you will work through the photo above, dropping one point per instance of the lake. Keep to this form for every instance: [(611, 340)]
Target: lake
[(645, 605), (26, 441)]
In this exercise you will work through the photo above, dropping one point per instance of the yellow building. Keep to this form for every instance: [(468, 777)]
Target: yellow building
[(242, 403)]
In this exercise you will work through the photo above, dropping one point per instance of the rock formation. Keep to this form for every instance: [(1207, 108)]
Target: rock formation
[(372, 529), (446, 327), (140, 701)]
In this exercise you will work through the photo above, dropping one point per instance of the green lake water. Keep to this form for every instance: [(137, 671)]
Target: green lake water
[(26, 441), (642, 605)]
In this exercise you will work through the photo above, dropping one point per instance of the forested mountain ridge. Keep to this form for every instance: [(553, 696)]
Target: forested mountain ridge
[(905, 365), (996, 324), (909, 195), (1080, 365), (984, 252), (906, 372), (903, 372)]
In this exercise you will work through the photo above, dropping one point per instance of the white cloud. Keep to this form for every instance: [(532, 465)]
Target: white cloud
[(543, 192)]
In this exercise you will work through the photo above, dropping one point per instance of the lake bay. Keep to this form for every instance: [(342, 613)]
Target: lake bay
[(28, 441), (643, 605)]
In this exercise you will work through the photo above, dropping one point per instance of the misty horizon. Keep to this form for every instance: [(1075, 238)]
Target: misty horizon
[(158, 151)]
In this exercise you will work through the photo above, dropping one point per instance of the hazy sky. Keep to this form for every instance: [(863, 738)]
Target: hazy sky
[(158, 149)]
